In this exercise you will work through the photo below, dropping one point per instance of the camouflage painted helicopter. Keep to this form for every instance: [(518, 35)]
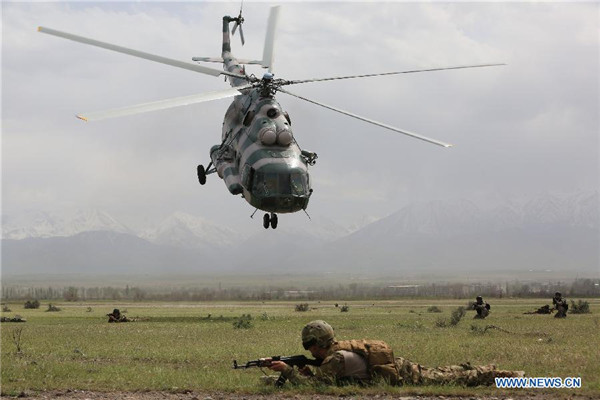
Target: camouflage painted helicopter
[(258, 156)]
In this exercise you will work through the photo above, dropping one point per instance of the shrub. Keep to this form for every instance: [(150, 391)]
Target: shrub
[(31, 304), (345, 308), (457, 315), (581, 307), (302, 307), (441, 323), (454, 318), (243, 322), (17, 337), (434, 309), (264, 317)]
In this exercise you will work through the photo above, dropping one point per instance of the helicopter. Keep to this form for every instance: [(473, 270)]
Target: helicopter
[(258, 157)]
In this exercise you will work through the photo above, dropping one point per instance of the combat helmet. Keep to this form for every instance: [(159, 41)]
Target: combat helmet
[(317, 332)]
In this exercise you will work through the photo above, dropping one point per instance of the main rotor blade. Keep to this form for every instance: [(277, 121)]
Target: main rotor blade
[(162, 104), (270, 38), (390, 73), (426, 139), (140, 54)]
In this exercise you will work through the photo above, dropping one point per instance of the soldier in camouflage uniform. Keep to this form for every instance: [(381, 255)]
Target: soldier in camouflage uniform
[(482, 308), (16, 318), (560, 305), (542, 310), (116, 316), (367, 361)]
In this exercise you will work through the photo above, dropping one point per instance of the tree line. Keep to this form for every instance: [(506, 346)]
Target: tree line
[(352, 291)]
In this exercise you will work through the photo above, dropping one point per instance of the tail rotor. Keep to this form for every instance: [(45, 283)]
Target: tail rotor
[(238, 22)]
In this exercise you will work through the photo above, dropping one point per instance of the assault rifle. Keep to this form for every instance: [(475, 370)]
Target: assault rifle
[(298, 361)]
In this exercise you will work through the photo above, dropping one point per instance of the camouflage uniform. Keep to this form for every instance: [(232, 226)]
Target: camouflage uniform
[(341, 367), (560, 305), (463, 374), (16, 318), (482, 308), (542, 310), (116, 316)]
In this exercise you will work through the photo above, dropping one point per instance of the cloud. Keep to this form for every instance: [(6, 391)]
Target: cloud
[(527, 127)]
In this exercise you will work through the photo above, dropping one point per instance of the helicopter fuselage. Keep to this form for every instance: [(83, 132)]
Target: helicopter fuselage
[(258, 156)]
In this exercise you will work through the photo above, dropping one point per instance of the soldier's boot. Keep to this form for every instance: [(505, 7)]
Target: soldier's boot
[(508, 374)]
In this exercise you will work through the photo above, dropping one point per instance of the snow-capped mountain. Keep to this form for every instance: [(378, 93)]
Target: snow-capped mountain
[(190, 232), (431, 218), (549, 231), (40, 224), (556, 232)]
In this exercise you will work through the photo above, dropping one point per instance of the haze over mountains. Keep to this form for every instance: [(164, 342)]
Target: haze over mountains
[(549, 232)]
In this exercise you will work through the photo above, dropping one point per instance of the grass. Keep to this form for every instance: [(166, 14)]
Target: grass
[(177, 347)]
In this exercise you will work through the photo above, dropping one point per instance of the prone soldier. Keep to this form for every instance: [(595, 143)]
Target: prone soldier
[(368, 361), (542, 310), (16, 318), (116, 316)]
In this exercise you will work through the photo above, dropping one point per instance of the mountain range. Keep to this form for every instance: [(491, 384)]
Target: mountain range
[(550, 232)]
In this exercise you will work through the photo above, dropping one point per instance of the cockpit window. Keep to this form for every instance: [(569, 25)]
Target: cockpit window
[(269, 184), (298, 182)]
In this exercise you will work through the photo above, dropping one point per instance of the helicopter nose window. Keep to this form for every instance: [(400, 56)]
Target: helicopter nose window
[(268, 184), (299, 184), (273, 113)]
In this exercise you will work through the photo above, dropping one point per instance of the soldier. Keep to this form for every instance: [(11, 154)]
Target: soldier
[(560, 305), (482, 308), (367, 361), (116, 316), (16, 318), (542, 310)]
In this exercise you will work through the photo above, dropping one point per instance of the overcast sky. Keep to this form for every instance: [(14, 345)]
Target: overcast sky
[(520, 130)]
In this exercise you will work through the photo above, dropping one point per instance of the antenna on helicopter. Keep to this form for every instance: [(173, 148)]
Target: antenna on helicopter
[(238, 22)]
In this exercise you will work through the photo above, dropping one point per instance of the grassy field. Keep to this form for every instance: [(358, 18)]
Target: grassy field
[(176, 346)]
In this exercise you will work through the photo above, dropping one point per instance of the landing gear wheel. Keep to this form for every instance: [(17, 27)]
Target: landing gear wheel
[(201, 174), (274, 221), (266, 221)]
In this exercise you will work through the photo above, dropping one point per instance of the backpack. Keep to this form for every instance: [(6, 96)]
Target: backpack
[(378, 355)]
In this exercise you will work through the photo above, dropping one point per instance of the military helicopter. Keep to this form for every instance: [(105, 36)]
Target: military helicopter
[(258, 156)]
